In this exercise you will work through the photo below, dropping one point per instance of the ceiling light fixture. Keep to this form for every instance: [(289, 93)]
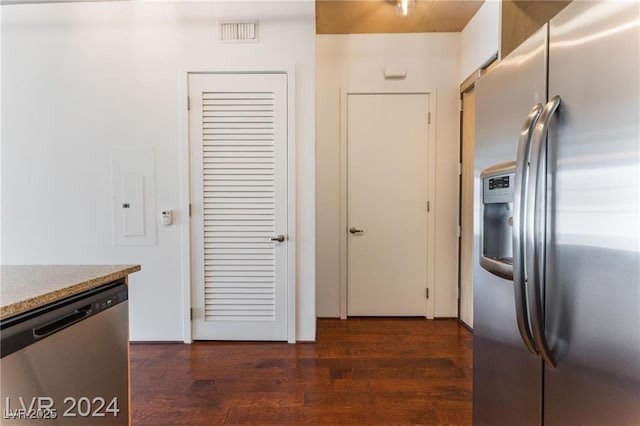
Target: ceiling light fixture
[(403, 7)]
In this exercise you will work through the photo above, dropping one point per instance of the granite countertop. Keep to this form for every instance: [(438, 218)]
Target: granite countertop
[(26, 287)]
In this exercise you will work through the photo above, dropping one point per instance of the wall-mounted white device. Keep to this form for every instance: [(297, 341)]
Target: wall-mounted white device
[(395, 72), (167, 217), (133, 196)]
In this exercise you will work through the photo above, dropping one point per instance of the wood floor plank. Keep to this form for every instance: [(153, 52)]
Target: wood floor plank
[(362, 371)]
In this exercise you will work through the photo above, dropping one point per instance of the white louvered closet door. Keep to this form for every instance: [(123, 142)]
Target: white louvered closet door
[(238, 143)]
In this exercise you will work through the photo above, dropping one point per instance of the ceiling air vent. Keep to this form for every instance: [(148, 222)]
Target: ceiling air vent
[(239, 32)]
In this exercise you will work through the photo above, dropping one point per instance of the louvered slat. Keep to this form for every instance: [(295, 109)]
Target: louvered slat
[(238, 178)]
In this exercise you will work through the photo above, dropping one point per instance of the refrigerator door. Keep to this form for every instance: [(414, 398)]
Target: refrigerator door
[(507, 379), (593, 247)]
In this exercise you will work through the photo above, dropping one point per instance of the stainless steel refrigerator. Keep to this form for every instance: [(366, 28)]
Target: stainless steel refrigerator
[(557, 254)]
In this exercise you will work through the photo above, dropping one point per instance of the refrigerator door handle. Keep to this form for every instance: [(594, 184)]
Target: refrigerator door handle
[(536, 226), (519, 211)]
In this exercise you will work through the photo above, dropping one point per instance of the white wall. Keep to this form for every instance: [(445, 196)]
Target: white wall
[(79, 79), (356, 63), (480, 38)]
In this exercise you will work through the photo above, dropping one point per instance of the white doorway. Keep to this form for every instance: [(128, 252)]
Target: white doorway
[(467, 237), (387, 204), (238, 137)]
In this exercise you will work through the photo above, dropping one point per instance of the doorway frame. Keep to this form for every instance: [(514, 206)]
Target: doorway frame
[(183, 216), (431, 170), (468, 84)]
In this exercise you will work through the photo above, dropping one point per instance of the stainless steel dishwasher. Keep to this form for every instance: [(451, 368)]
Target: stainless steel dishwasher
[(67, 363)]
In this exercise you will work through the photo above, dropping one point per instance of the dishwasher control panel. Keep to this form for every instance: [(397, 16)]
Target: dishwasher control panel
[(108, 302)]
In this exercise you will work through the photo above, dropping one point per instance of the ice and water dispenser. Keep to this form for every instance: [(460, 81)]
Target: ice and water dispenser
[(496, 235)]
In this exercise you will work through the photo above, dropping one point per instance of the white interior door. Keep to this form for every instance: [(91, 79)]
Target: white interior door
[(387, 137), (238, 147)]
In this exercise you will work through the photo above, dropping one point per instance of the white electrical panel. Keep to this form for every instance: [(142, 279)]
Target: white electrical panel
[(134, 203)]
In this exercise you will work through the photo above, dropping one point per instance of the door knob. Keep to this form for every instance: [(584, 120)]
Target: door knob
[(279, 238), (354, 230)]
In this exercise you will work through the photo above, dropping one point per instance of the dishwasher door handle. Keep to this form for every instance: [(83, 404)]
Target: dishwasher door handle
[(62, 322)]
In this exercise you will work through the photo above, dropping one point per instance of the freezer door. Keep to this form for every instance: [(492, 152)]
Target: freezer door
[(593, 247), (507, 383)]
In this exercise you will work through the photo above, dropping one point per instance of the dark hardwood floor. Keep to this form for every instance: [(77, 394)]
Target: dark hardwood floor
[(359, 372)]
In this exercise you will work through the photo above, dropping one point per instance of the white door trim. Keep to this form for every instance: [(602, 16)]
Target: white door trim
[(185, 173), (431, 151)]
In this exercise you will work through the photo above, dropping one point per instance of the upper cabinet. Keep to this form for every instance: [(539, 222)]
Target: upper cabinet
[(498, 27), (520, 19)]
